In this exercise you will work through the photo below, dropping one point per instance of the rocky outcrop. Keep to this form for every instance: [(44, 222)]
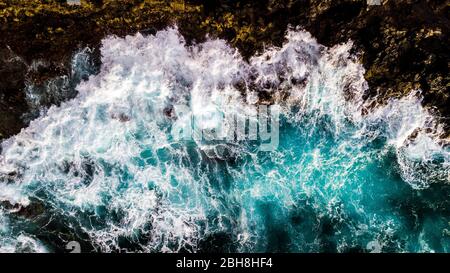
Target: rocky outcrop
[(403, 43), (12, 83), (404, 46)]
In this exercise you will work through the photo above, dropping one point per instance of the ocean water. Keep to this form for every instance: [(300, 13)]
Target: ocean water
[(105, 170)]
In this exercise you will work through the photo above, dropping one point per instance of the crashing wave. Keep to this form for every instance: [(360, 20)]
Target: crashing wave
[(107, 164)]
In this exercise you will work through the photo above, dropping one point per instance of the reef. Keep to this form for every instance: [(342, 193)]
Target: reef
[(403, 44)]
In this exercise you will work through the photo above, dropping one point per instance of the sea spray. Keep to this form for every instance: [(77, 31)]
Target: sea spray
[(58, 89), (344, 177)]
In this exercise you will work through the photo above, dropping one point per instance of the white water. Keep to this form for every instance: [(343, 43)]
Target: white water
[(108, 153)]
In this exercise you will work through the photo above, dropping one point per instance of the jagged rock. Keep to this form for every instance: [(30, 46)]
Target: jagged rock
[(12, 104)]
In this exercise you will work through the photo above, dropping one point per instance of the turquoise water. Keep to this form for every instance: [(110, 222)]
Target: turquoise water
[(104, 169)]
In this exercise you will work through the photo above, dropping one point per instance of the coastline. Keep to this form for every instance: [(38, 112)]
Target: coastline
[(403, 46)]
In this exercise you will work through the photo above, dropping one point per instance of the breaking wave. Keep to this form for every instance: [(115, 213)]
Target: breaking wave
[(103, 169)]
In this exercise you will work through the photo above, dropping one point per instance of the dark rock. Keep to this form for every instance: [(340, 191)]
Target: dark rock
[(33, 210)]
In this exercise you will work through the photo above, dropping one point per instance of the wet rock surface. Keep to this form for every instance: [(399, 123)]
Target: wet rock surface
[(402, 44)]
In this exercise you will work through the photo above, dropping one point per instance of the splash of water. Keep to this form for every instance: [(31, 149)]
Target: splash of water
[(58, 89), (107, 172)]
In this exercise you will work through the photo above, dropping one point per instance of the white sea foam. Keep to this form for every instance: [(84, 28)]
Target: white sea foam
[(60, 88), (110, 149)]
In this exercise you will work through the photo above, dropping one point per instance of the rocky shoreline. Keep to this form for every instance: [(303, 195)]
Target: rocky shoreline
[(402, 44)]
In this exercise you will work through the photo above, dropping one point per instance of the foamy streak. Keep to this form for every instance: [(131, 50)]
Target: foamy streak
[(414, 133), (110, 147)]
